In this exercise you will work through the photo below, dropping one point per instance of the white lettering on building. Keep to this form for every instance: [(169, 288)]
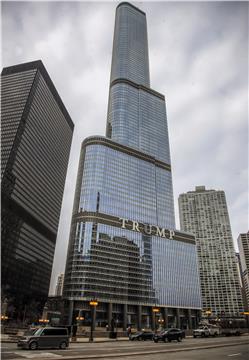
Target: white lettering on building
[(147, 229), (135, 226), (123, 223), (160, 232)]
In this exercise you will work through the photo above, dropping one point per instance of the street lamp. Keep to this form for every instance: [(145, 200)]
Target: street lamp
[(43, 321), (93, 303), (155, 310)]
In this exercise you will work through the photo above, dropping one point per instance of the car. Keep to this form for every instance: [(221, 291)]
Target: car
[(141, 335), (169, 335), (46, 337), (206, 330)]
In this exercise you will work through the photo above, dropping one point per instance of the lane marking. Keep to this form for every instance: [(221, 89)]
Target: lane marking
[(234, 354), (29, 355)]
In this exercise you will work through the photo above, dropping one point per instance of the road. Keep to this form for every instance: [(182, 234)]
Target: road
[(200, 349)]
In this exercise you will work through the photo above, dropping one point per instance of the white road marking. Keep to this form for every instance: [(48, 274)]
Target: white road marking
[(234, 354), (33, 355)]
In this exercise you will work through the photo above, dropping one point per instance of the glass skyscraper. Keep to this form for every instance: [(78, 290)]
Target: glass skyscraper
[(36, 135), (124, 249)]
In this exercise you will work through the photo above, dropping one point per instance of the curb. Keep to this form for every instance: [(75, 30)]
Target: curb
[(2, 341)]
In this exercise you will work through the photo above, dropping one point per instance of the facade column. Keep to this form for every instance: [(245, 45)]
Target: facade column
[(198, 316), (109, 315), (189, 319), (125, 317), (178, 324), (165, 317), (70, 312), (139, 317)]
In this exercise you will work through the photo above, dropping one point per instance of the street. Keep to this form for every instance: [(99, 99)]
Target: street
[(201, 349)]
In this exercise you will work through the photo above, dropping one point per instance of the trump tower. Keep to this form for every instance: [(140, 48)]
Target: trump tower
[(124, 251)]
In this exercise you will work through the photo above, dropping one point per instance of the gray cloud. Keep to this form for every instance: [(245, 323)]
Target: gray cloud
[(198, 59)]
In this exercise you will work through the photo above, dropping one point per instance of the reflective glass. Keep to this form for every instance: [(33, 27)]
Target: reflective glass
[(129, 266), (126, 186)]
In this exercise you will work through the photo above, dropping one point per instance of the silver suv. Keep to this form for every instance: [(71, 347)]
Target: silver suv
[(47, 337)]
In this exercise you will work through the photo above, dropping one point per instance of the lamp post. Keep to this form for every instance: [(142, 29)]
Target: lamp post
[(155, 310), (93, 303), (79, 320)]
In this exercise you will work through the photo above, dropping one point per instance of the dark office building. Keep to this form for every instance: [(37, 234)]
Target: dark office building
[(35, 145), (124, 249)]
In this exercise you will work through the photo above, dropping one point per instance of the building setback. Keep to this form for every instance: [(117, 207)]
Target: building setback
[(35, 145), (243, 244), (124, 250), (204, 213)]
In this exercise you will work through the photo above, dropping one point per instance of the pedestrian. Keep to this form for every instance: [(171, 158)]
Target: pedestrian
[(74, 333)]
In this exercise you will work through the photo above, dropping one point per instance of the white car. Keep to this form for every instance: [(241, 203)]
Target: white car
[(206, 330)]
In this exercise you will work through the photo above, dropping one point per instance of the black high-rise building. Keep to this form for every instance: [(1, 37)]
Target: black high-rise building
[(35, 145)]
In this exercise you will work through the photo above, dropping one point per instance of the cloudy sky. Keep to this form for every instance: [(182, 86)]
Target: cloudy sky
[(198, 59)]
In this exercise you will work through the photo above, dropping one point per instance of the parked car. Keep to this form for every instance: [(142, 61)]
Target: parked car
[(230, 332), (141, 335), (169, 334), (47, 337), (206, 330)]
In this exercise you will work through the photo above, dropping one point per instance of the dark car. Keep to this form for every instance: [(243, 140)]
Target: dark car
[(47, 337), (142, 335), (169, 334)]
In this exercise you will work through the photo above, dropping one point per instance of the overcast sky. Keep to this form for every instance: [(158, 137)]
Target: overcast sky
[(198, 58)]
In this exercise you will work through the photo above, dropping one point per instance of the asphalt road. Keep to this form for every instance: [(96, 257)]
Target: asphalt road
[(201, 349), (237, 352)]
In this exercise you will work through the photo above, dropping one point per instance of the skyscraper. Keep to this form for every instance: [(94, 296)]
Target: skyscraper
[(124, 249), (35, 145), (204, 213), (59, 285), (243, 244)]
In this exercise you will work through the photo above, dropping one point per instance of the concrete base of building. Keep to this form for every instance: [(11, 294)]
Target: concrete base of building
[(113, 317)]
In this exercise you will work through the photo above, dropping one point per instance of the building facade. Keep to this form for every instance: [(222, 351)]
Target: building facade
[(204, 213), (243, 244), (59, 285), (35, 145), (124, 250)]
